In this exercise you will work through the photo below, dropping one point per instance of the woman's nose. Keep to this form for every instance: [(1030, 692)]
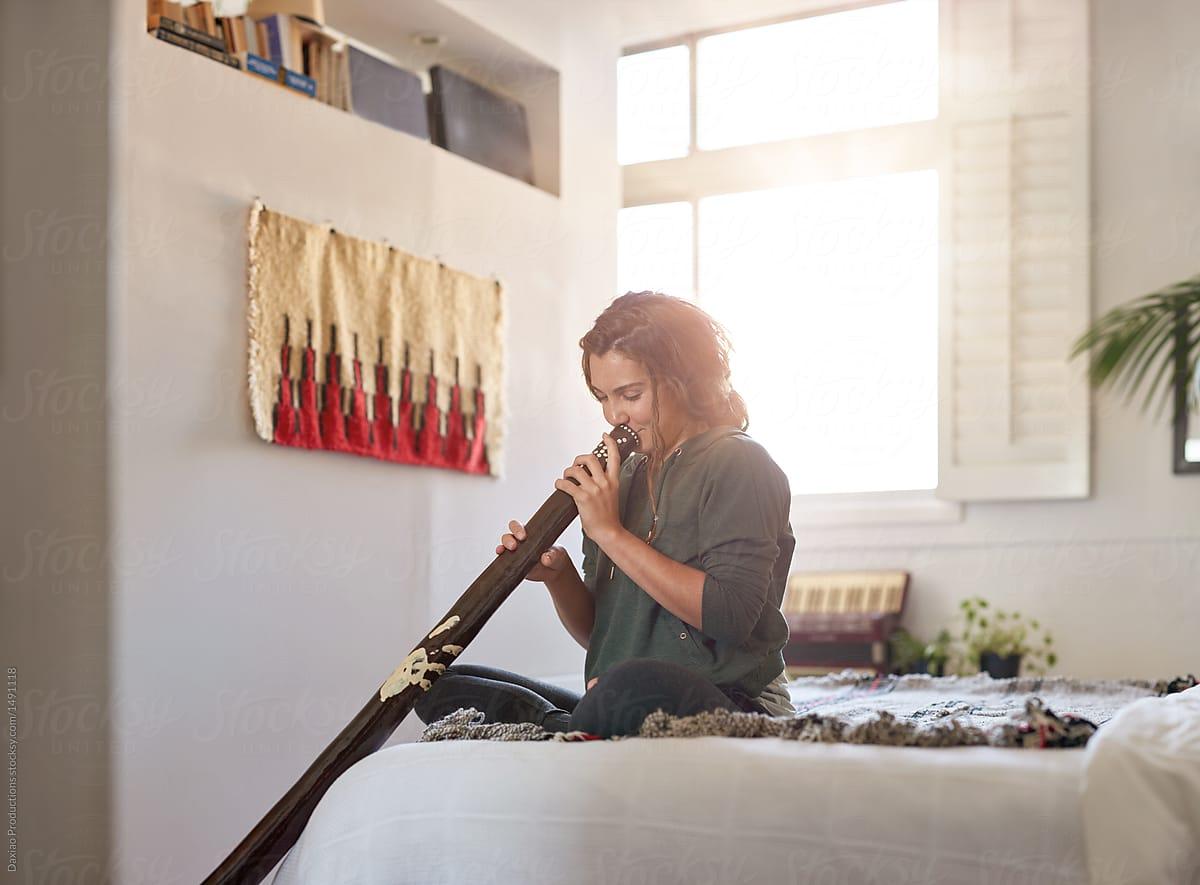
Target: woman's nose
[(614, 418)]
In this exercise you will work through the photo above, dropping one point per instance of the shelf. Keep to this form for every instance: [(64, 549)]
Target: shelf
[(387, 30)]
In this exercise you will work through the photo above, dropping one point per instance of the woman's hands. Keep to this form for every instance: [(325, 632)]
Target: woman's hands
[(596, 496), (549, 565)]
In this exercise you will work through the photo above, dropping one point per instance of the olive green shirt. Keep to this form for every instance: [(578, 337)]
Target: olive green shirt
[(723, 506)]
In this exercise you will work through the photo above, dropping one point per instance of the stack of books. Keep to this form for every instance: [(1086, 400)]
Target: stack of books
[(271, 47), (287, 43)]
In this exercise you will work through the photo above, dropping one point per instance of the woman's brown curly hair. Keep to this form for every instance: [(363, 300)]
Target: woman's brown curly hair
[(683, 349)]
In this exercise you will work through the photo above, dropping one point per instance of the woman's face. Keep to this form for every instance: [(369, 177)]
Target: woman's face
[(622, 386)]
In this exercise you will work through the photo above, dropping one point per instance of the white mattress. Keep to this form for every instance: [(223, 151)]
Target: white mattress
[(700, 810)]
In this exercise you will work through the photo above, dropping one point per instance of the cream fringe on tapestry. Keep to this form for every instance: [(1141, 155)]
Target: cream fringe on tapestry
[(323, 280)]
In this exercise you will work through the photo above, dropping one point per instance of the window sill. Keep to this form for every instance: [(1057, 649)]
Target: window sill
[(873, 508)]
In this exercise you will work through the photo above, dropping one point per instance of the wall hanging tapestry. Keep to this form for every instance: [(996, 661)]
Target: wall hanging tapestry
[(359, 347)]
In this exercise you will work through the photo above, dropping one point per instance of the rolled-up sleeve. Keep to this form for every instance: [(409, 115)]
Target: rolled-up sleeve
[(743, 505)]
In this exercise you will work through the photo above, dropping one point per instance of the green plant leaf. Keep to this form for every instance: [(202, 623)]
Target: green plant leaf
[(1157, 331)]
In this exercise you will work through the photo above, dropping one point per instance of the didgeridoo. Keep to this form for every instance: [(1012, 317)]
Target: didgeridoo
[(274, 835)]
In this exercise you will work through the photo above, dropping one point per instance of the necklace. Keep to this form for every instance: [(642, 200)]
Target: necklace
[(653, 513), (653, 509)]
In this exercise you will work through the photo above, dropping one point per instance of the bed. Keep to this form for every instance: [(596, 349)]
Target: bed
[(1123, 809)]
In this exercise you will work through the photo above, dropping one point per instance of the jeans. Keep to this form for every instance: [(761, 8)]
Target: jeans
[(616, 705)]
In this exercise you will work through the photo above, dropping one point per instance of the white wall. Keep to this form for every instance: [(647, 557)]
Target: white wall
[(266, 593)]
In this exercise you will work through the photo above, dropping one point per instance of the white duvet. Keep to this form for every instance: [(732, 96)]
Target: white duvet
[(1141, 794), (731, 810)]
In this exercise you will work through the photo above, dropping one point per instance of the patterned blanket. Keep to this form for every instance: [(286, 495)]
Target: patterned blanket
[(912, 711)]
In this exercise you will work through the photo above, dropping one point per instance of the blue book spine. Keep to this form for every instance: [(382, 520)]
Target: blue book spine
[(264, 67), (300, 83), (274, 40)]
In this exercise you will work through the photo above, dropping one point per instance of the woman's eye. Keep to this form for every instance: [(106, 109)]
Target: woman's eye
[(633, 399)]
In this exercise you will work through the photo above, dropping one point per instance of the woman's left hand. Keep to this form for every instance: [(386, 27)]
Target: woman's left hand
[(596, 496)]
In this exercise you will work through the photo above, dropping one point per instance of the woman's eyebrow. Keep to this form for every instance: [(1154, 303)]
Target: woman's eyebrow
[(598, 391)]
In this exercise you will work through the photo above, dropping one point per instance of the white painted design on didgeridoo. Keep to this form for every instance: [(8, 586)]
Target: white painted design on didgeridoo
[(411, 672)]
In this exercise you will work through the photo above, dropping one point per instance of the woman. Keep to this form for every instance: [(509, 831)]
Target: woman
[(686, 545)]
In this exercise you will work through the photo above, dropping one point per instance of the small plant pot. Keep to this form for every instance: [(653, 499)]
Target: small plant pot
[(998, 667)]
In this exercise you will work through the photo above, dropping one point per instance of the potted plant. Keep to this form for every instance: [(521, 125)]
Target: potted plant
[(912, 655), (998, 642), (906, 652), (937, 653)]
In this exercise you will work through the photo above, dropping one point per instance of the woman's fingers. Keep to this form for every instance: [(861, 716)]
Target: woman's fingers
[(613, 465), (511, 539), (581, 475), (591, 462)]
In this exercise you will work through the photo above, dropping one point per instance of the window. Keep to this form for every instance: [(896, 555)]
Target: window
[(828, 73), (792, 192), (652, 97), (838, 360), (654, 249)]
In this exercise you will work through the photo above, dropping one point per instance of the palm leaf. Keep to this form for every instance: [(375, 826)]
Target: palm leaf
[(1145, 339)]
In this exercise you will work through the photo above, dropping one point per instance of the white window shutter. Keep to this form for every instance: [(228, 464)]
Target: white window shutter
[(1014, 239)]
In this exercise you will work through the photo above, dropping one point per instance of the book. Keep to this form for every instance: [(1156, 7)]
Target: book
[(200, 16), (283, 41), (325, 61), (158, 21), (299, 82), (209, 18), (256, 64), (261, 40), (234, 33), (156, 9), (386, 94), (341, 75), (335, 77), (312, 51), (250, 35), (169, 36), (472, 121)]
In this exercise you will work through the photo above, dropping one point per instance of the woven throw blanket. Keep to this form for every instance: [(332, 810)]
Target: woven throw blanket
[(358, 347), (906, 711)]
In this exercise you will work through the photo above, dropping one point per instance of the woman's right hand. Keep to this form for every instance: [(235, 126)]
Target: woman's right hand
[(550, 564)]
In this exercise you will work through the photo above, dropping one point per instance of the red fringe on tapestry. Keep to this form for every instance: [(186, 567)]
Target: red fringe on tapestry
[(309, 414)]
